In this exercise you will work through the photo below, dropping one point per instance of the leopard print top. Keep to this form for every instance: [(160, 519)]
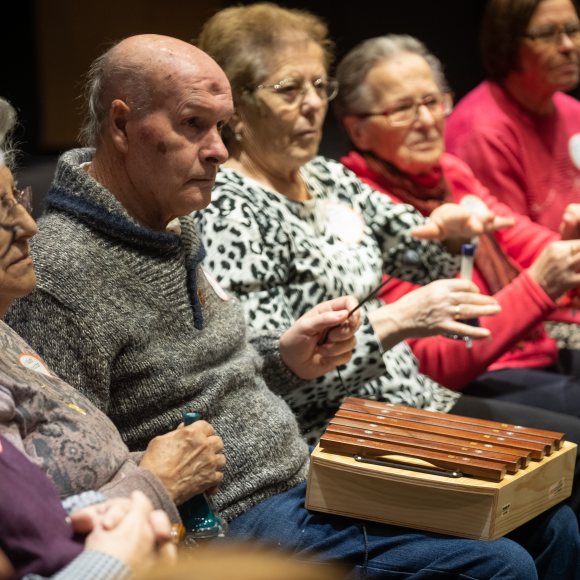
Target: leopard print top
[(281, 257)]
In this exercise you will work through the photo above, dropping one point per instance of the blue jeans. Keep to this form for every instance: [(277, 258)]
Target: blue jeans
[(547, 547)]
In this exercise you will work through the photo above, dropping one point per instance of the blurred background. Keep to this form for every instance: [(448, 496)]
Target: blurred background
[(47, 45)]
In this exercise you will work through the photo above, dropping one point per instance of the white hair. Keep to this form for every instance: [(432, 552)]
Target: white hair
[(7, 124)]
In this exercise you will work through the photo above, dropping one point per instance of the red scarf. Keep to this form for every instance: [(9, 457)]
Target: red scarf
[(428, 191)]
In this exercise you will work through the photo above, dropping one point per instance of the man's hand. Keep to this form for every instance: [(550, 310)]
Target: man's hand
[(188, 461), (452, 221), (299, 345)]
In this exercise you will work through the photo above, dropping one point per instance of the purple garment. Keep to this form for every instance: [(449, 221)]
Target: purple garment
[(33, 530)]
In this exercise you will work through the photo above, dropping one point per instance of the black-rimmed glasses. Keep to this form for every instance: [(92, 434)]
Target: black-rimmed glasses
[(292, 90), (406, 111), (553, 34)]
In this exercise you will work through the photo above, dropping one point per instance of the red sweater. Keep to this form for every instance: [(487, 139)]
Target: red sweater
[(530, 162), (518, 337)]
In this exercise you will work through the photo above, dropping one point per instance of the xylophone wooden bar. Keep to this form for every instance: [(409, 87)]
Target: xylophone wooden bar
[(435, 471)]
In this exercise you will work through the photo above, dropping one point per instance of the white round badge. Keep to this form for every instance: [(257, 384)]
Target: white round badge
[(34, 363), (344, 222), (574, 149)]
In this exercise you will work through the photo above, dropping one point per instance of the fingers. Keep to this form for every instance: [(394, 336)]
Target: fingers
[(427, 231), (107, 514), (462, 329), (473, 298), (569, 226), (501, 222), (347, 303), (161, 526), (465, 311), (82, 522)]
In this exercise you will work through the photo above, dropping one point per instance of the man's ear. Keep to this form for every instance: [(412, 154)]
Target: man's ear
[(356, 129), (118, 117)]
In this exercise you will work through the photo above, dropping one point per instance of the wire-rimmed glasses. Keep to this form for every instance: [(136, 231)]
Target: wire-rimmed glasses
[(8, 205), (552, 34), (406, 111), (8, 215), (292, 90)]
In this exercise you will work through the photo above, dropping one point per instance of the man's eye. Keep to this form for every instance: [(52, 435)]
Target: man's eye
[(220, 126), (193, 122)]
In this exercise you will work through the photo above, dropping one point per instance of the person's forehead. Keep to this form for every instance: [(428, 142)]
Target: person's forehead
[(296, 55), (402, 72), (553, 11), (192, 87)]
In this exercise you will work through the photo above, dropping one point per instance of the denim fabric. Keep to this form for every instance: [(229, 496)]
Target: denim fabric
[(548, 547)]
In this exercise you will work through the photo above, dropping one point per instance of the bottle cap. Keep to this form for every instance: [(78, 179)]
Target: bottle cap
[(467, 249)]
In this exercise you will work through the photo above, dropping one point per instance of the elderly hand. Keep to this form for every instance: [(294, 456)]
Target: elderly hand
[(570, 225), (453, 221), (188, 461), (557, 268), (128, 529), (434, 309), (299, 345)]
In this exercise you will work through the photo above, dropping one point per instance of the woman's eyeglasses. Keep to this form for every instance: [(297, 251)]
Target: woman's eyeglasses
[(292, 91), (406, 111), (8, 205), (553, 34), (8, 213)]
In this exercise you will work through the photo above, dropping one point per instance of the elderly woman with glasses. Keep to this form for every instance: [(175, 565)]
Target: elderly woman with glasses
[(287, 229), (518, 130), (393, 103)]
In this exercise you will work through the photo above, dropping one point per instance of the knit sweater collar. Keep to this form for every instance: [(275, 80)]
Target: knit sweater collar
[(76, 193)]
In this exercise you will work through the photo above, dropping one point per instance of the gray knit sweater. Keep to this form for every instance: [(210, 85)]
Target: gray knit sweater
[(127, 316)]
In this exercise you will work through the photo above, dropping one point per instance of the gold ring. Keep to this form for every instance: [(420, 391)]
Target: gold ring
[(457, 312)]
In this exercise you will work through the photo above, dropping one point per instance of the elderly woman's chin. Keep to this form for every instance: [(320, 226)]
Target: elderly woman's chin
[(420, 159)]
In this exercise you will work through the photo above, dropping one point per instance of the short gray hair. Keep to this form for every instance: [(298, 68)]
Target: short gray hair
[(110, 78), (7, 124), (354, 96)]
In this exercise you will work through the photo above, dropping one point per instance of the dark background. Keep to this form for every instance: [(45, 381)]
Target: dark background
[(47, 45), (448, 27)]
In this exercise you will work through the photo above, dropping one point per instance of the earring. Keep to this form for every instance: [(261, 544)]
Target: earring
[(238, 136)]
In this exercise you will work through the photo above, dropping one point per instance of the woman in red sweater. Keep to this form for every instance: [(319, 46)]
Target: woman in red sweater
[(392, 102)]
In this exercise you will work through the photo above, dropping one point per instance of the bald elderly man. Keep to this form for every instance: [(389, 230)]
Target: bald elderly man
[(125, 312)]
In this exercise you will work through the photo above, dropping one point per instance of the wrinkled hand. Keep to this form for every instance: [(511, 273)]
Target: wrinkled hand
[(452, 221), (299, 345), (436, 308), (128, 529), (188, 461), (557, 268), (570, 224)]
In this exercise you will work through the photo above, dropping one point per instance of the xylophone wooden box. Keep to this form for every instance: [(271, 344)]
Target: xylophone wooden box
[(497, 476)]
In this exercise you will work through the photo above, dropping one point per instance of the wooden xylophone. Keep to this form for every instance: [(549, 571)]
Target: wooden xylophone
[(436, 471)]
